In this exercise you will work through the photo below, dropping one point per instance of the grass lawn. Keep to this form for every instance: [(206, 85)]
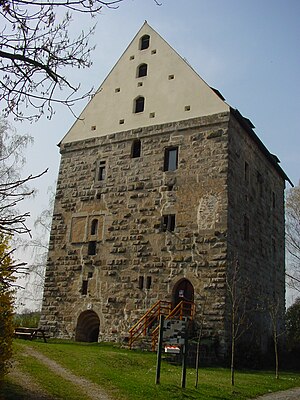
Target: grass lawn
[(131, 374)]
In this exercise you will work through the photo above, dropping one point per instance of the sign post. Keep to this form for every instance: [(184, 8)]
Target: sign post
[(184, 358), (159, 349)]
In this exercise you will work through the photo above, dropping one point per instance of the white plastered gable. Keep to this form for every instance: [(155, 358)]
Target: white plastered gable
[(172, 90)]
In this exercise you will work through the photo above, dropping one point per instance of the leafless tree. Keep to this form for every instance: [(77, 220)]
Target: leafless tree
[(293, 236), (238, 292), (38, 248), (275, 313), (199, 338), (37, 52), (13, 190), (13, 187)]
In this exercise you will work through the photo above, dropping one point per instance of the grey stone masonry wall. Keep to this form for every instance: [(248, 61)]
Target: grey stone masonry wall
[(256, 199), (137, 261)]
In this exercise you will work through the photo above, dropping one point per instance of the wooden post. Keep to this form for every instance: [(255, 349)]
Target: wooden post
[(184, 358), (159, 349)]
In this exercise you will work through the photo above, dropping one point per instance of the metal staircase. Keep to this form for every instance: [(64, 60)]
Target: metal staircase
[(148, 324)]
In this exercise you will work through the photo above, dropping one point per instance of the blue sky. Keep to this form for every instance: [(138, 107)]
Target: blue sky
[(249, 50)]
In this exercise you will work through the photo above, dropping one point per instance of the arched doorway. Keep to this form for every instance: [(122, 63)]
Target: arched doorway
[(87, 329), (183, 291)]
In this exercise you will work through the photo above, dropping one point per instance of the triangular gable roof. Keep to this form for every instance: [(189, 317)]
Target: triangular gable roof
[(172, 90)]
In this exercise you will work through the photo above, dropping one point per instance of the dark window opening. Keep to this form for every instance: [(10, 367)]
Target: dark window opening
[(171, 159), (246, 228), (136, 148), (142, 70), (84, 287), (144, 42), (141, 282), (90, 275), (259, 180), (94, 227), (139, 104), (246, 172), (273, 200), (101, 171), (273, 248), (168, 222), (92, 248), (148, 282)]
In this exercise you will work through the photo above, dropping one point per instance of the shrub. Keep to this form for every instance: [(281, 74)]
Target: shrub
[(6, 306)]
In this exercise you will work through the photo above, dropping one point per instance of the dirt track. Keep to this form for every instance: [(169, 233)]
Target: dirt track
[(33, 391)]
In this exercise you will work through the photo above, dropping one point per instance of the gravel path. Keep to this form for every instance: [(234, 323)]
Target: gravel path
[(35, 392), (291, 394)]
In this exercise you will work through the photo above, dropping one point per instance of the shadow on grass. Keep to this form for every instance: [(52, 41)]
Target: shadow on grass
[(12, 391)]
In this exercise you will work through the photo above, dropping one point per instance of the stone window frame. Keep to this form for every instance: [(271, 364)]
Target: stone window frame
[(101, 171), (169, 164)]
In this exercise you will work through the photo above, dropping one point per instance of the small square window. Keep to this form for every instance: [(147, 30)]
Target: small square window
[(93, 127), (131, 58), (171, 77), (152, 115), (117, 90), (153, 51), (90, 275), (121, 122), (140, 84), (187, 108)]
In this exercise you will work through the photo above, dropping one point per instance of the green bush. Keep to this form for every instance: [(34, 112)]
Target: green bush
[(6, 306), (28, 319)]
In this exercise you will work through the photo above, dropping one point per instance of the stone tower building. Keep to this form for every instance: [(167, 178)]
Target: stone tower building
[(163, 189)]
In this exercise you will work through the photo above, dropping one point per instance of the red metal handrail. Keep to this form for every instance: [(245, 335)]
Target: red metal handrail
[(140, 328), (183, 309)]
